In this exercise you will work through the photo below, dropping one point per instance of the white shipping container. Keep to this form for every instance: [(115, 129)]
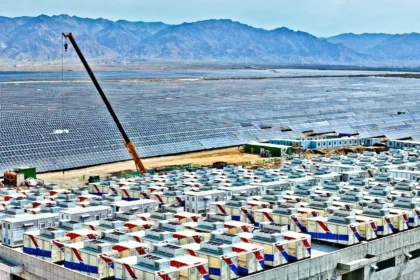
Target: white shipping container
[(188, 236), (320, 229), (275, 253), (250, 257), (190, 268), (299, 245), (368, 227), (235, 227)]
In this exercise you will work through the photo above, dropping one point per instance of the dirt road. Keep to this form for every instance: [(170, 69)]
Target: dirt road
[(74, 178)]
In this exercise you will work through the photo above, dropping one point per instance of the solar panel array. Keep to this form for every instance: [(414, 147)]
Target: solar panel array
[(54, 126)]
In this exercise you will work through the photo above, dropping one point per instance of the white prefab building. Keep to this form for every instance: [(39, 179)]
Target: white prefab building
[(13, 228), (136, 206), (94, 213), (199, 202)]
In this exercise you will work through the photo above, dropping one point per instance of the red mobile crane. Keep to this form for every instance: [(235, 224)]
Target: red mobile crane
[(128, 144)]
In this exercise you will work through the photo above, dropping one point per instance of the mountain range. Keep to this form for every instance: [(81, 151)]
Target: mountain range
[(38, 39)]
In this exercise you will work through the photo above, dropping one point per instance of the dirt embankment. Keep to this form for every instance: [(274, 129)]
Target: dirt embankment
[(341, 151)]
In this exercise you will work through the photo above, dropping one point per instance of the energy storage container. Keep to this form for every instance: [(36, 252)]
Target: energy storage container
[(199, 202), (159, 216), (153, 236), (262, 215), (286, 213), (234, 208), (110, 224), (235, 227), (174, 226), (173, 197), (320, 228), (185, 217), (258, 204), (298, 246), (368, 227), (218, 207), (68, 225), (71, 255), (190, 268), (130, 248), (223, 262), (46, 244), (307, 213), (126, 216), (123, 268), (384, 219), (411, 206), (136, 236), (245, 236), (157, 197), (30, 246), (207, 227), (188, 236), (80, 235), (95, 259), (151, 267), (137, 225), (101, 188), (92, 225), (274, 244), (129, 194), (400, 220), (250, 257)]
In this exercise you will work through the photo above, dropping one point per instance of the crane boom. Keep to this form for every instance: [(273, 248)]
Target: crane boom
[(128, 144)]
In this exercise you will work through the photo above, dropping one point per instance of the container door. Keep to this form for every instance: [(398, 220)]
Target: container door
[(97, 267), (118, 271), (84, 265), (252, 262), (68, 258), (48, 253)]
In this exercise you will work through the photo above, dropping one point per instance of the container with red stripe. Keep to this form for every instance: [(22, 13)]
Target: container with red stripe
[(185, 217), (401, 219), (131, 248), (250, 257), (80, 235), (275, 247), (48, 243), (299, 245), (123, 268), (137, 225), (95, 258), (188, 237), (321, 228), (235, 227), (368, 227), (190, 267), (261, 216)]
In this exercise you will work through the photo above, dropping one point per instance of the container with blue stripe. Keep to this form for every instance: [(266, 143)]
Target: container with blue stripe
[(340, 227), (274, 244), (223, 262)]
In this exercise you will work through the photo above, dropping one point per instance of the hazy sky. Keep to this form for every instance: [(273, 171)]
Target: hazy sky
[(319, 17)]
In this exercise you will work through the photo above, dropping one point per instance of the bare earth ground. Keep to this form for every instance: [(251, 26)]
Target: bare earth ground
[(74, 178)]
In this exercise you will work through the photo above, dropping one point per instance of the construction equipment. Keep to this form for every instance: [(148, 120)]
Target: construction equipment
[(128, 144), (18, 176)]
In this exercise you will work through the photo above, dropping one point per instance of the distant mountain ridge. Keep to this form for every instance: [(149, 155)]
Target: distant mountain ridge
[(387, 47), (38, 39)]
